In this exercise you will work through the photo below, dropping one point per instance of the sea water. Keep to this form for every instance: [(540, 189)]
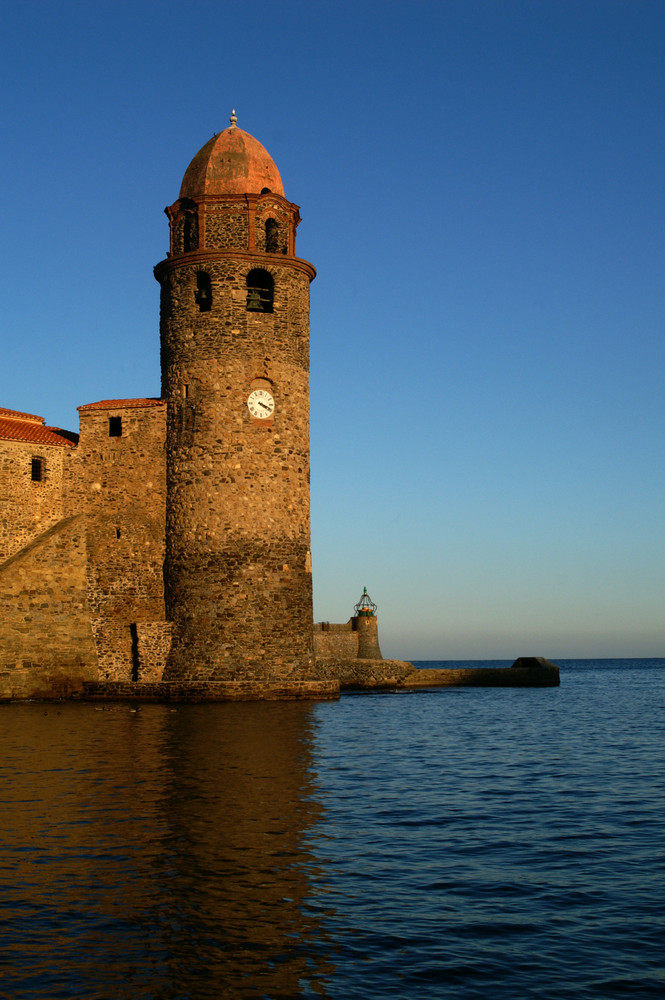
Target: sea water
[(462, 843)]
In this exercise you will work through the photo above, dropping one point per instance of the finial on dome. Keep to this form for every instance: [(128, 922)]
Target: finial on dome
[(233, 119)]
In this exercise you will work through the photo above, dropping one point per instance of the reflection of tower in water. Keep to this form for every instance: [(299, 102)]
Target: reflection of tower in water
[(238, 805), (161, 852)]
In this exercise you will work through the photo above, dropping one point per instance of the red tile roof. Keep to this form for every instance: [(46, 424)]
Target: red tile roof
[(18, 428), (17, 415), (121, 404)]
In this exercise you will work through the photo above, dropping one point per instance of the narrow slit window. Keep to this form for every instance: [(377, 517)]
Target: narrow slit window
[(260, 291), (272, 236), (134, 633), (190, 233), (37, 470), (115, 427), (203, 293)]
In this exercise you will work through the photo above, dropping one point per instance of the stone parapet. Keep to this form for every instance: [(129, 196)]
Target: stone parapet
[(335, 641)]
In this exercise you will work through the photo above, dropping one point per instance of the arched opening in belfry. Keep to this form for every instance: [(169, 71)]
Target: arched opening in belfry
[(260, 290), (203, 293), (272, 236), (190, 231)]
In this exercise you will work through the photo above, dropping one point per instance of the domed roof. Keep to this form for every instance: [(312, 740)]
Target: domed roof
[(232, 162)]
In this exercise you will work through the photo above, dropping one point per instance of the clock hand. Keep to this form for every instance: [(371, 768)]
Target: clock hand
[(265, 407)]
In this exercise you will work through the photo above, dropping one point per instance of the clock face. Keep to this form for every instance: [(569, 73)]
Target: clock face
[(261, 404)]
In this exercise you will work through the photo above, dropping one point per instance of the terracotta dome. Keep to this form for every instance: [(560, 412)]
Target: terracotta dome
[(232, 162)]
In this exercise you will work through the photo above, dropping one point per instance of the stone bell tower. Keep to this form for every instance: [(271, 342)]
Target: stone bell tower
[(235, 374)]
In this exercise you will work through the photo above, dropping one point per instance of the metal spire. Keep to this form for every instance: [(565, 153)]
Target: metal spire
[(365, 606), (233, 119)]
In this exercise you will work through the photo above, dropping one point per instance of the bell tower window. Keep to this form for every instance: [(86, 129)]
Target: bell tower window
[(203, 293), (272, 236), (115, 427), (260, 291), (190, 231)]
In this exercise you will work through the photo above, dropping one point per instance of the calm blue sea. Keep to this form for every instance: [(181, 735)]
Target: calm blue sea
[(497, 844)]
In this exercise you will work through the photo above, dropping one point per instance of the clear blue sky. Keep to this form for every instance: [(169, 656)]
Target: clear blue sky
[(481, 186)]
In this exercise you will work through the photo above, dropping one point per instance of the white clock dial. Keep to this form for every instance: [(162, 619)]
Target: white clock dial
[(261, 404)]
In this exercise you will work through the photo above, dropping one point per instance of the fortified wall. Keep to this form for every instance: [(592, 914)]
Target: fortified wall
[(82, 533), (82, 536)]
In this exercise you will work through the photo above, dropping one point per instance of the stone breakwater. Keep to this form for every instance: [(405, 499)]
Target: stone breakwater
[(484, 677), (328, 678), (360, 674), (365, 674)]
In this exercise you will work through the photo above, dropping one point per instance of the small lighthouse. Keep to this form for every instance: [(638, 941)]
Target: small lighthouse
[(365, 608), (365, 623)]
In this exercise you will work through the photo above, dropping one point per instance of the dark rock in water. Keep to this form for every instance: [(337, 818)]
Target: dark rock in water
[(531, 662)]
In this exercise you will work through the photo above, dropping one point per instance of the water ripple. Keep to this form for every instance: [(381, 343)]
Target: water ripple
[(475, 843)]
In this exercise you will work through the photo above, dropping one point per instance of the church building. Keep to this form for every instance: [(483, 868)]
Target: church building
[(168, 543)]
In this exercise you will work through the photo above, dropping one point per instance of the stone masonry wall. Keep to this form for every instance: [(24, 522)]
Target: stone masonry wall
[(131, 652), (335, 641), (225, 227), (46, 643), (114, 487), (273, 209), (153, 646), (119, 483), (28, 508), (356, 639), (238, 569), (115, 646), (367, 630)]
